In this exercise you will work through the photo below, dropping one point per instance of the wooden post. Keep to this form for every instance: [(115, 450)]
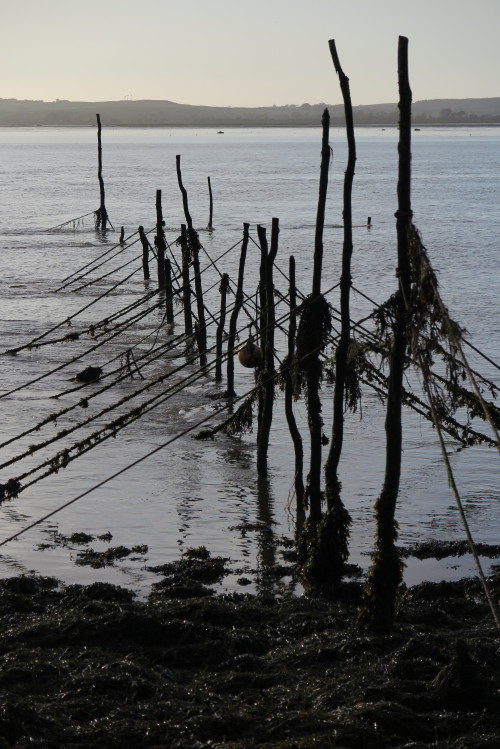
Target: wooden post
[(169, 294), (267, 318), (312, 331), (261, 318), (238, 303), (122, 235), (211, 214), (185, 204), (194, 248), (290, 416), (201, 328), (160, 241), (145, 252), (320, 216), (386, 572), (331, 469), (186, 286), (332, 549), (224, 286), (102, 215)]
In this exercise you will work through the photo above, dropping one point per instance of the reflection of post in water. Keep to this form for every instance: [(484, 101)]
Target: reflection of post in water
[(266, 542)]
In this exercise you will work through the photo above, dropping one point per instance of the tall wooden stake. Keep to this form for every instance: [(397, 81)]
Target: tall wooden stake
[(169, 293), (224, 286), (211, 214), (320, 216), (194, 247), (332, 552), (267, 323), (145, 252), (290, 416), (186, 286), (160, 241), (386, 572), (312, 340), (102, 214)]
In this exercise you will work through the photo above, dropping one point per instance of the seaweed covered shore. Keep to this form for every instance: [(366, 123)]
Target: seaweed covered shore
[(86, 666)]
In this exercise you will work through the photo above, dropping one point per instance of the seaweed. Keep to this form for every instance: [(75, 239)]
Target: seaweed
[(88, 666)]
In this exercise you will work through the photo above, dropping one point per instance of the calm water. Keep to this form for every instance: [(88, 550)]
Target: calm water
[(194, 493)]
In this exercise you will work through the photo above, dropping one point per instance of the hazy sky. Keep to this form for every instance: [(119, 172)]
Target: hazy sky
[(246, 52)]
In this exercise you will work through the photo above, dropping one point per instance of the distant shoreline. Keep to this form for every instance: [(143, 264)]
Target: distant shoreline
[(152, 113), (364, 125)]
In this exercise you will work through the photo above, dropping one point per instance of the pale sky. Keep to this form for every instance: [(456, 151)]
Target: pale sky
[(246, 53)]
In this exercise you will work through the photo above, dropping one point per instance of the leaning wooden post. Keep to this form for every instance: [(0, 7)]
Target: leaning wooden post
[(224, 286), (169, 293), (185, 203), (194, 248), (160, 241), (233, 320), (386, 572), (145, 252), (201, 328), (101, 213), (211, 214), (289, 394)]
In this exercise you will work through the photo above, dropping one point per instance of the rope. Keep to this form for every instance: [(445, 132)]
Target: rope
[(458, 500), (139, 460), (106, 252), (65, 223)]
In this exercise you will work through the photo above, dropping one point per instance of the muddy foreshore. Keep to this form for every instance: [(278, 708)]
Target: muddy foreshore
[(87, 666)]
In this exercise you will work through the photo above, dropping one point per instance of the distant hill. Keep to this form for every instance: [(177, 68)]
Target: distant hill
[(62, 113)]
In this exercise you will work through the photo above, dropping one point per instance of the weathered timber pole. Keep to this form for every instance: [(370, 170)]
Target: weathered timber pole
[(386, 571), (261, 319), (320, 215), (186, 285), (160, 241), (122, 235), (201, 327), (233, 320), (337, 520), (194, 248), (145, 252), (169, 292), (312, 339), (210, 226), (267, 317), (101, 213), (289, 395), (185, 204), (224, 286)]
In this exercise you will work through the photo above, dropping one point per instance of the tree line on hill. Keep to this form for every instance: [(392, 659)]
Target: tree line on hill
[(149, 113)]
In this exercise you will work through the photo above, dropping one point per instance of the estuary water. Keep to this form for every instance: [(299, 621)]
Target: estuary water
[(193, 493)]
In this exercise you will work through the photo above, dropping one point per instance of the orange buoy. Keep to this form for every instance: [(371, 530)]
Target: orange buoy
[(251, 356)]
